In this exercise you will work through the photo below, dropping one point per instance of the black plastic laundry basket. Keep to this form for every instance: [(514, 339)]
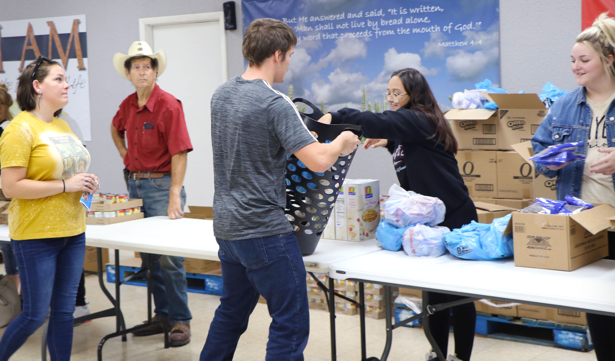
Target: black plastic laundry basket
[(310, 196)]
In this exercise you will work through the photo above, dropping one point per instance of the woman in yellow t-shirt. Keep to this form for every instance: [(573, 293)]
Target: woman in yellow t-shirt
[(47, 222)]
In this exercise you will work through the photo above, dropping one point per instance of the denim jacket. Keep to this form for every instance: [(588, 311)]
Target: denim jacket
[(569, 120)]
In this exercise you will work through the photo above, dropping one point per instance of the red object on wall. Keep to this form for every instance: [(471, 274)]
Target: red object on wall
[(592, 8)]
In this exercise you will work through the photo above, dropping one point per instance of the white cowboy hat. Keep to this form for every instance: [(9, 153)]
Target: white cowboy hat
[(139, 48)]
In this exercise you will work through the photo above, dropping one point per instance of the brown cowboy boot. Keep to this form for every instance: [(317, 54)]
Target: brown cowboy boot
[(180, 334)]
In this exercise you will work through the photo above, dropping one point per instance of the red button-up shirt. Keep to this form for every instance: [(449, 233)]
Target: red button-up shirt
[(154, 133)]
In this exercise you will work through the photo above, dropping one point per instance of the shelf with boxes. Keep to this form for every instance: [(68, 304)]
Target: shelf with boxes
[(110, 209)]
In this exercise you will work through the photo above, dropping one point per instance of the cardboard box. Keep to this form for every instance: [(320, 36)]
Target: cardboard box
[(474, 128), (487, 212), (4, 212), (106, 221), (101, 207), (411, 292), (505, 311), (479, 172), (201, 266), (340, 213), (90, 263), (514, 176), (329, 232), (362, 208), (514, 203), (568, 316), (198, 212), (559, 242), (542, 186), (519, 117)]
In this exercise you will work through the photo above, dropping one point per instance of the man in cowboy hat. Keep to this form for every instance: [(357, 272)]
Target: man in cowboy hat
[(152, 121)]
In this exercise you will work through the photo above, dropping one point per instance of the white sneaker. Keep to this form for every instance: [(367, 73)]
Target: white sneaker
[(433, 356), (81, 311)]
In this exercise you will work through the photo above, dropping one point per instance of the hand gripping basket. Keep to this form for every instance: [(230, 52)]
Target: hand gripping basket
[(310, 196)]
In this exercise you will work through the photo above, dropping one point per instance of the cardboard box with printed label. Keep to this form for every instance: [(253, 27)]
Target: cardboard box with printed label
[(552, 314), (519, 116), (505, 311), (479, 172), (514, 203), (474, 128), (362, 208), (514, 176), (329, 232), (542, 186), (560, 242), (487, 212), (411, 292), (341, 232)]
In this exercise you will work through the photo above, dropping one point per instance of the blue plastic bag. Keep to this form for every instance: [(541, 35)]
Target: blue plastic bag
[(550, 93), (422, 240), (478, 241), (390, 236), (578, 202), (486, 84), (557, 155)]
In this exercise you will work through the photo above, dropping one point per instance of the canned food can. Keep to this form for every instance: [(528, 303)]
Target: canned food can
[(95, 197), (128, 212), (111, 198), (120, 213), (122, 199), (110, 214), (91, 214), (99, 214), (136, 210)]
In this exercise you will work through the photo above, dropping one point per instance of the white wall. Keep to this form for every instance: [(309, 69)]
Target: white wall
[(536, 38)]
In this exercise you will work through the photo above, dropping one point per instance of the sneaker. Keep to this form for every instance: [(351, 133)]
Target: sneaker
[(81, 311), (433, 356)]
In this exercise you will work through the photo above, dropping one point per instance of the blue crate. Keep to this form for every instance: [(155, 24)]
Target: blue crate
[(538, 332), (404, 314), (198, 283)]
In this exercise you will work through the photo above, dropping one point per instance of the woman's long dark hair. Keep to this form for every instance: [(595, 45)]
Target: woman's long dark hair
[(421, 99)]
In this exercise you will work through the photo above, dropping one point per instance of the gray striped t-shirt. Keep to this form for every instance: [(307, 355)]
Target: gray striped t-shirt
[(253, 129)]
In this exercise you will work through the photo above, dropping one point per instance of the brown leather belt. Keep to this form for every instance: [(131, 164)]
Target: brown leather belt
[(141, 175)]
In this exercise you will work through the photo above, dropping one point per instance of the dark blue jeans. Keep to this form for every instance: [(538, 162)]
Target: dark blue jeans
[(272, 267), (169, 285), (50, 270)]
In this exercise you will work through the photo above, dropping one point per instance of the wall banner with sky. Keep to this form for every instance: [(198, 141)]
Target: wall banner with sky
[(347, 48), (63, 39)]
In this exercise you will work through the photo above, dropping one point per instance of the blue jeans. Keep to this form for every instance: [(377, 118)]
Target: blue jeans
[(272, 267), (50, 270), (169, 285), (10, 264)]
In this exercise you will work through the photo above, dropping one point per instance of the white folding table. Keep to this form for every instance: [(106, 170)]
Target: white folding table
[(590, 288)]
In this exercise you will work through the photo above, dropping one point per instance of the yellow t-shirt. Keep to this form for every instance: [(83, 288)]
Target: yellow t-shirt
[(49, 152)]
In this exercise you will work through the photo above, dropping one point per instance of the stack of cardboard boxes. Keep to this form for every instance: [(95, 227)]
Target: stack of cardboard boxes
[(491, 169)]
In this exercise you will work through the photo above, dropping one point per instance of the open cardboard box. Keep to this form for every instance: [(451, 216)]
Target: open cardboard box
[(560, 242), (516, 120), (4, 212), (487, 212), (542, 186)]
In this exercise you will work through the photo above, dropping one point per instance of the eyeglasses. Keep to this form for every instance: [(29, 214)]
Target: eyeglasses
[(39, 61), (394, 96)]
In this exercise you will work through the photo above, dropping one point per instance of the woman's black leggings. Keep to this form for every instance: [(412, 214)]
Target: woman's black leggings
[(81, 292), (463, 322)]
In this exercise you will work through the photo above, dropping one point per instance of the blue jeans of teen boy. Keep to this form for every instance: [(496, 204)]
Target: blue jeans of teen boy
[(169, 285), (272, 267), (50, 270)]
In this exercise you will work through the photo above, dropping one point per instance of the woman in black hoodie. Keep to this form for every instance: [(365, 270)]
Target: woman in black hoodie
[(423, 149)]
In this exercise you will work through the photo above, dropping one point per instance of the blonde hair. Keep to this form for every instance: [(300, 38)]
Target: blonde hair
[(601, 38), (5, 103)]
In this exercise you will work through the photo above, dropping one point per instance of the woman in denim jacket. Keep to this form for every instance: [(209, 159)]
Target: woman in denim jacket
[(587, 114)]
